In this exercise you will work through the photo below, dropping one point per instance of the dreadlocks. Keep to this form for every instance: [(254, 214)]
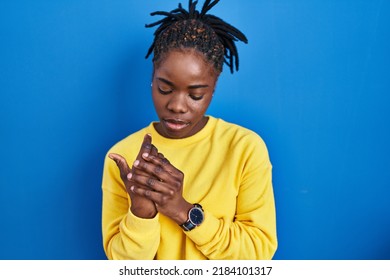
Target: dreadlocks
[(208, 34)]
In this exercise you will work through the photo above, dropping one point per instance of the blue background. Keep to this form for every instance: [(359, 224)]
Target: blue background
[(313, 82)]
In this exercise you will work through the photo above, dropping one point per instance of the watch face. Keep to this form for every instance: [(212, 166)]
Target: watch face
[(196, 216)]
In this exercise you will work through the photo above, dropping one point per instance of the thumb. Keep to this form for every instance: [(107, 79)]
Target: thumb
[(122, 165)]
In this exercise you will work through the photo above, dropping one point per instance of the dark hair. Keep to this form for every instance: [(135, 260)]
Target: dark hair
[(208, 34)]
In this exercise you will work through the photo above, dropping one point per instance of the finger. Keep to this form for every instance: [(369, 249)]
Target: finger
[(150, 183), (121, 163), (164, 162), (152, 195), (154, 151), (146, 147), (163, 159), (161, 156), (123, 167), (152, 169)]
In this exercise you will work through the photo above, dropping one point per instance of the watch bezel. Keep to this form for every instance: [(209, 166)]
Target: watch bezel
[(190, 224), (198, 219)]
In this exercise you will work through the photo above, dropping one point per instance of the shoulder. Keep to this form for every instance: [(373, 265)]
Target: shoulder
[(237, 133), (241, 140)]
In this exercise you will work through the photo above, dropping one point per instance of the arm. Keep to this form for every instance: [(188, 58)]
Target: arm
[(252, 232), (130, 230)]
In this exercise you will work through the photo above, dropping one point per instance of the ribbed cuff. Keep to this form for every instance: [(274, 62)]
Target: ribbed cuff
[(206, 231), (141, 224)]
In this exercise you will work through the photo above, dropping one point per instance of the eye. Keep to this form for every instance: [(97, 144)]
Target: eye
[(196, 97), (164, 91)]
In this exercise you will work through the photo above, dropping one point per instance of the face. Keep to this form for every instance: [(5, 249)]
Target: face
[(182, 89)]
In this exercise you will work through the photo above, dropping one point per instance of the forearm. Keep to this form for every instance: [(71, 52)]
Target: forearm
[(135, 238), (126, 236), (247, 227), (220, 238)]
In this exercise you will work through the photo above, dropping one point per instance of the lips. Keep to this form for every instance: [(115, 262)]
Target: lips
[(175, 124)]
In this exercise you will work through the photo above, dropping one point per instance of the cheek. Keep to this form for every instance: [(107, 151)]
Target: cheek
[(200, 108), (157, 99), (205, 104), (158, 104)]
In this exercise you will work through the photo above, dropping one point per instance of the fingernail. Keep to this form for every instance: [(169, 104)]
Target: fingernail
[(136, 162), (129, 176), (145, 155), (132, 188)]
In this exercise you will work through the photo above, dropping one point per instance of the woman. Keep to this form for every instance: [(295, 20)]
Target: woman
[(189, 186)]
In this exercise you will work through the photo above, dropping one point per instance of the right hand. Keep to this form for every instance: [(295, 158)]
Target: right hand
[(140, 206)]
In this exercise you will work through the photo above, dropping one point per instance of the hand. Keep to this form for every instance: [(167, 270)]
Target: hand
[(155, 178), (140, 206)]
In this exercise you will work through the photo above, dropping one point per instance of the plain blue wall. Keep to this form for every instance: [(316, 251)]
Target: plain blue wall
[(314, 83)]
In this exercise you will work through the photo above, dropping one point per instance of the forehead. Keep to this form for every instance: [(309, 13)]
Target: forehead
[(185, 64)]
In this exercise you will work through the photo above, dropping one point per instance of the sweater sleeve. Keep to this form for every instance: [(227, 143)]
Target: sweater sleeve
[(252, 232), (125, 236)]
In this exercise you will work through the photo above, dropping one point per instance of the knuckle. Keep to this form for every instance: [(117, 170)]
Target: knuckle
[(150, 182), (154, 150), (148, 193), (180, 175), (177, 185), (122, 163), (147, 146), (158, 169), (164, 200), (143, 165)]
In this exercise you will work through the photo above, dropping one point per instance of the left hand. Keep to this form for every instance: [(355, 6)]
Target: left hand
[(158, 180)]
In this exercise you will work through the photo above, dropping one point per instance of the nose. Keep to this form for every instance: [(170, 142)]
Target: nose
[(177, 103)]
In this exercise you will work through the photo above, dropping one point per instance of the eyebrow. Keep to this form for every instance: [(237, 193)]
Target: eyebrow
[(172, 84)]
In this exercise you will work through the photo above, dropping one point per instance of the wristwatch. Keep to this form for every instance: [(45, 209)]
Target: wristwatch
[(195, 218)]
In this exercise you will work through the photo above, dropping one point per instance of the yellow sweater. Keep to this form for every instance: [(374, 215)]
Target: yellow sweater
[(227, 170)]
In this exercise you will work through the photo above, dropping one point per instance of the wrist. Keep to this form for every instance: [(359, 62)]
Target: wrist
[(182, 214), (143, 213)]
